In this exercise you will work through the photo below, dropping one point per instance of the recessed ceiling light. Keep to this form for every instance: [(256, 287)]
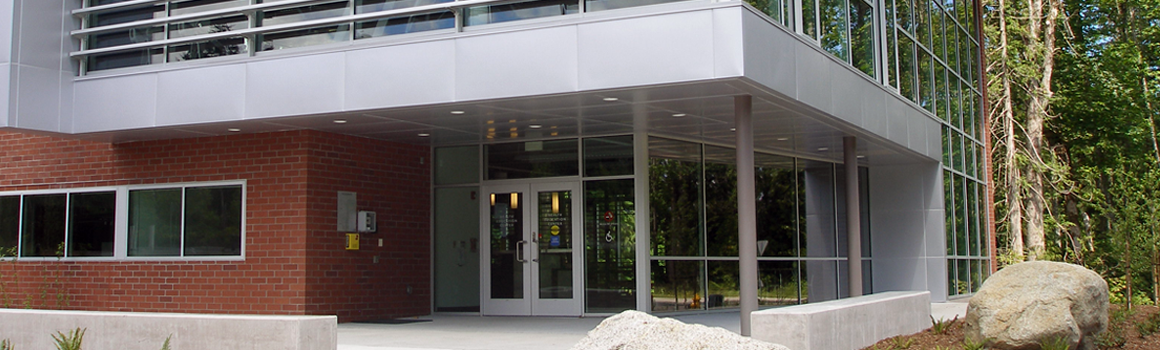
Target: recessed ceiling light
[(340, 121), (535, 126), (860, 157), (611, 99), (783, 139), (234, 130), (823, 149), (457, 112), (733, 129), (424, 134), (678, 115)]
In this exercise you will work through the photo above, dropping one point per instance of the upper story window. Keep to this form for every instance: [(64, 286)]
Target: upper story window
[(201, 220), (122, 33)]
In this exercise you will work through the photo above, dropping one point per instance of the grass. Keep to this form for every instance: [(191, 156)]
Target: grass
[(164, 346), (6, 345), (1054, 343)]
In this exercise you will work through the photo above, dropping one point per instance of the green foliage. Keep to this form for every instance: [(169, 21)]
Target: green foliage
[(1149, 326), (164, 346), (1117, 289), (7, 255), (902, 342), (1100, 151), (6, 345), (1054, 343), (69, 341), (970, 344), (941, 326), (1111, 338)]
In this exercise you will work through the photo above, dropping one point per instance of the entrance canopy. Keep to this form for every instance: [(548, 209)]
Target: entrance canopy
[(670, 70)]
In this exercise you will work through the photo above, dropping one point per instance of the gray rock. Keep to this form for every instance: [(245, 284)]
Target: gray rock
[(1026, 303), (635, 330)]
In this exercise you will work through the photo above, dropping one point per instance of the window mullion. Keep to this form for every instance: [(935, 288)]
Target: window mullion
[(181, 244), (67, 221)]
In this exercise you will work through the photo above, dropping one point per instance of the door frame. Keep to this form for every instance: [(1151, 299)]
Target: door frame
[(531, 304)]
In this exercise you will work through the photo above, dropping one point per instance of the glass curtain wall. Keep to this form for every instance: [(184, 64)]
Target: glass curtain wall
[(931, 58), (693, 213)]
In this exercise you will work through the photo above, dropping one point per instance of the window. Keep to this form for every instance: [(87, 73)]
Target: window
[(213, 221), (204, 220), (91, 223), (194, 221), (532, 159), (155, 222), (9, 224), (42, 225)]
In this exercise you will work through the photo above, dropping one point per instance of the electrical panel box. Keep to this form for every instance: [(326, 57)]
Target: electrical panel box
[(367, 222)]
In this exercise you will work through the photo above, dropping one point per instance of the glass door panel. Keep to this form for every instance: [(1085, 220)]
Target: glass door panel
[(555, 244), (554, 235), (506, 275), (507, 240)]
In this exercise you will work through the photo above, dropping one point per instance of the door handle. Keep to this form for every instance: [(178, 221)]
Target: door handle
[(535, 247), (520, 251)]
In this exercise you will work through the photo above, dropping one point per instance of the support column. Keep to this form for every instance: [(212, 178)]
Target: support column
[(853, 217), (746, 209)]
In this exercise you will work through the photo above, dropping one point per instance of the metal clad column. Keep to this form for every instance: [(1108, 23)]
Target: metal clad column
[(853, 217), (746, 209)]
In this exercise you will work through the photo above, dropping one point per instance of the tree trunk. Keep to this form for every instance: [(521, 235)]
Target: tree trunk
[(1128, 269), (1036, 116), (1151, 120), (1155, 273), (1014, 199)]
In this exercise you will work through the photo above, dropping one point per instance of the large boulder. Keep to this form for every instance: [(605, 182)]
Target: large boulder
[(635, 330), (1026, 303)]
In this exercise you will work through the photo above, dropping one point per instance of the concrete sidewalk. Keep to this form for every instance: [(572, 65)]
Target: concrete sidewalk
[(474, 332)]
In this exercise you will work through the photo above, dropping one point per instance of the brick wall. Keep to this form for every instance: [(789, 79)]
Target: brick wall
[(393, 181), (295, 261)]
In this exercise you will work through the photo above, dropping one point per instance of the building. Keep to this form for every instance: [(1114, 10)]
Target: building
[(518, 157)]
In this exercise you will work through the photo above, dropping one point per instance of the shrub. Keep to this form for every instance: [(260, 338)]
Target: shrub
[(70, 341), (902, 342), (969, 344), (941, 326)]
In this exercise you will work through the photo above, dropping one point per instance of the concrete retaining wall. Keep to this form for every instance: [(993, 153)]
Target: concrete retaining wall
[(33, 329), (846, 324)]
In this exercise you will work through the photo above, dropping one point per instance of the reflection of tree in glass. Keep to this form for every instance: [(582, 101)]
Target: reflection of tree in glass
[(213, 221), (674, 202), (833, 29), (215, 47)]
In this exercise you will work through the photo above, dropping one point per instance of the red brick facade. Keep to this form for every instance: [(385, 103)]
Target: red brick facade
[(295, 260)]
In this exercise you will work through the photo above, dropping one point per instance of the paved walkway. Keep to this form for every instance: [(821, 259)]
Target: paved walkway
[(473, 332)]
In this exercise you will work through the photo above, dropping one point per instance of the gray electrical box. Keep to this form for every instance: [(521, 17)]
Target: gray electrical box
[(347, 208), (367, 222)]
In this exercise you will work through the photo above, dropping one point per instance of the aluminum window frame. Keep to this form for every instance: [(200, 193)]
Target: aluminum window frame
[(121, 221)]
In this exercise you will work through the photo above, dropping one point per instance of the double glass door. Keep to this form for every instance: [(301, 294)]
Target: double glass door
[(532, 263)]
